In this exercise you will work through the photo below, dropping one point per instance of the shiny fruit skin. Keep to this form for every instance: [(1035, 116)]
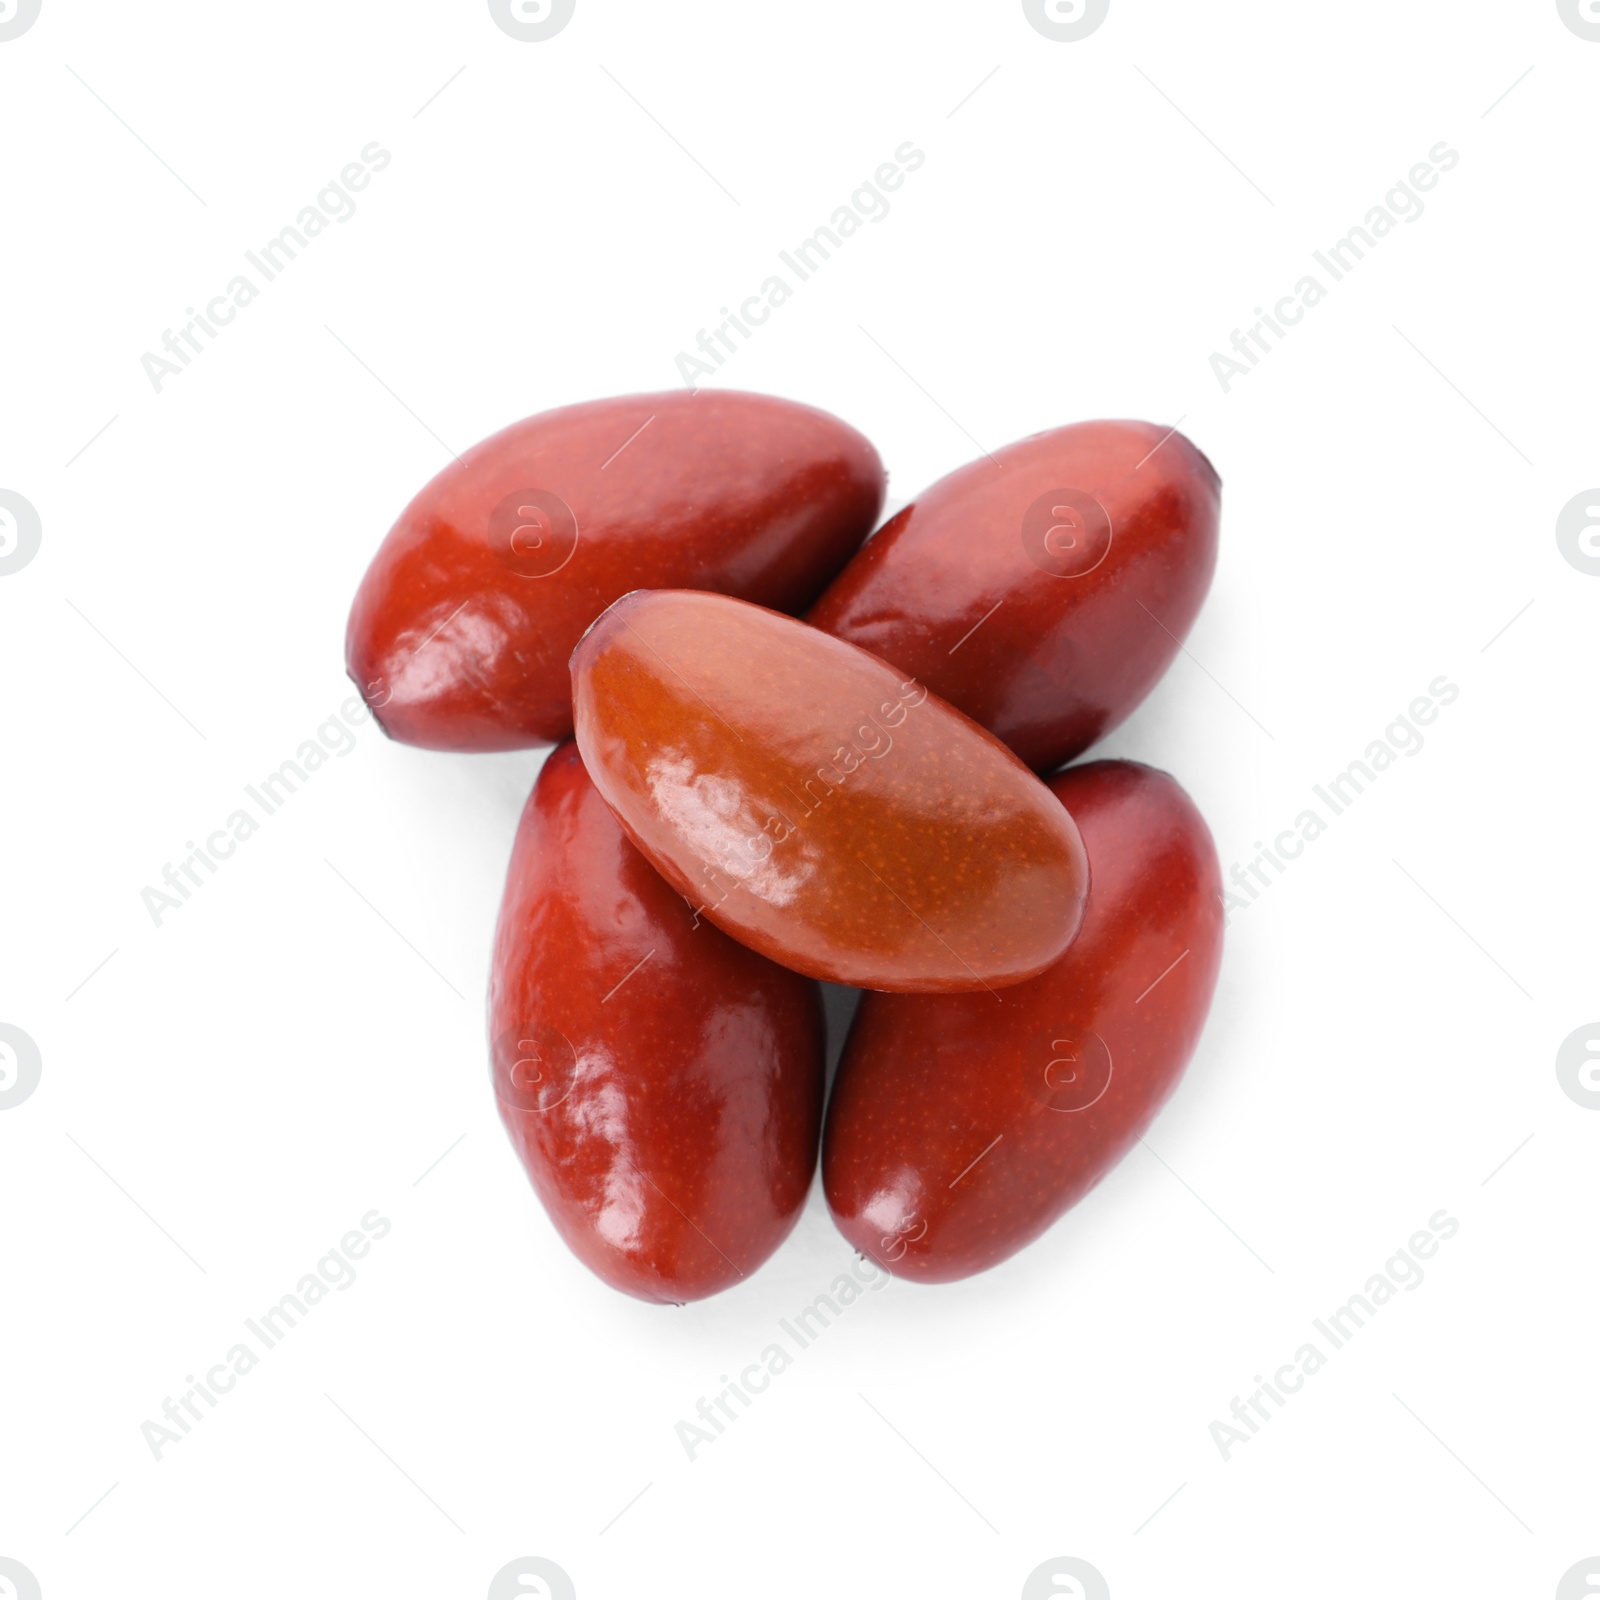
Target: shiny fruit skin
[(662, 1084), (460, 632), (818, 806), (948, 1148), (1048, 630)]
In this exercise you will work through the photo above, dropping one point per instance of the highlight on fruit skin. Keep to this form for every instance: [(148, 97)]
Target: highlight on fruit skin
[(460, 631), (746, 803), (817, 805), (661, 1084), (961, 1127), (1045, 589)]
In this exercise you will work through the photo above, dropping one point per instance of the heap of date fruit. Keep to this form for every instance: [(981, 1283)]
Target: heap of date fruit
[(795, 761)]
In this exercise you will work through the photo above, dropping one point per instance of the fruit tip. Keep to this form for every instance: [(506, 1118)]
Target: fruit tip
[(620, 600)]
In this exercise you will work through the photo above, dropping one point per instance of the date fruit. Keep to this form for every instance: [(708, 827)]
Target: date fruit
[(1044, 589), (661, 1083), (461, 629), (960, 1129), (819, 806)]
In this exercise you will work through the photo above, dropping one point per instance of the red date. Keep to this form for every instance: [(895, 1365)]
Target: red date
[(819, 806), (662, 1084), (461, 630), (960, 1129), (1044, 589)]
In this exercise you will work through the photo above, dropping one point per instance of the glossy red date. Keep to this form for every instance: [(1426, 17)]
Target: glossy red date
[(959, 1129), (818, 805), (1045, 589), (661, 1083), (460, 632)]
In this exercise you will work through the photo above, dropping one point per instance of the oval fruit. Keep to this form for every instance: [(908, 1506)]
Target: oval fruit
[(959, 1130), (819, 806), (460, 632), (1045, 589), (662, 1084)]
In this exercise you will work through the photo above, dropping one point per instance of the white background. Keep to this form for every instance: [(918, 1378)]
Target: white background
[(227, 1094)]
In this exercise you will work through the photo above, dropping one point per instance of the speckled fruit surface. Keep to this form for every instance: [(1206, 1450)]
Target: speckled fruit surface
[(661, 1083), (961, 1127), (817, 804), (1044, 589), (461, 629)]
